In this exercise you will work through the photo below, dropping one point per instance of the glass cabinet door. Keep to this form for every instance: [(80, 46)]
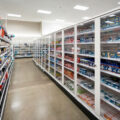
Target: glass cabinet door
[(58, 56), (110, 66), (52, 55), (69, 42), (86, 64)]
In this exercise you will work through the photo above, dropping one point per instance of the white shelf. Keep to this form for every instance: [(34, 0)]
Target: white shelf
[(69, 78), (68, 61), (83, 65), (111, 28), (111, 73), (3, 91), (58, 44), (113, 42), (86, 55), (68, 43), (52, 67), (85, 43), (4, 74), (84, 33), (112, 88), (4, 46), (58, 57), (89, 90), (58, 51), (69, 68), (52, 50), (112, 59), (58, 71), (3, 53), (5, 39), (90, 78), (69, 52), (112, 105), (3, 64), (68, 36), (58, 64)]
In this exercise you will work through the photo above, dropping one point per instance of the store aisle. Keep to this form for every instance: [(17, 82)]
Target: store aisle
[(33, 96)]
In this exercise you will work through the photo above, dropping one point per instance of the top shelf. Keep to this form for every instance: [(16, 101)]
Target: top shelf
[(88, 32), (5, 39), (110, 28)]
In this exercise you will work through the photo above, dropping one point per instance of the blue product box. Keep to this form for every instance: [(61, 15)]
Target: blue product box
[(117, 103), (112, 100), (113, 55), (105, 67), (115, 85), (118, 70), (108, 82), (106, 97)]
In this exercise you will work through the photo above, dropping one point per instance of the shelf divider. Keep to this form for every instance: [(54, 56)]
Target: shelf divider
[(97, 65)]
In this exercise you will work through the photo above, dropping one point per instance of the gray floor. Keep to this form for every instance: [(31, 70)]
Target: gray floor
[(33, 96)]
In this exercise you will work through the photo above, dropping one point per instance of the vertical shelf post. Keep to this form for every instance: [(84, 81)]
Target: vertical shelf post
[(75, 58), (63, 57), (49, 54), (97, 67), (55, 54)]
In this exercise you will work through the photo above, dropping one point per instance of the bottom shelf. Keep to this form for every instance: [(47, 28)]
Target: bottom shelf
[(108, 113), (68, 85), (3, 101)]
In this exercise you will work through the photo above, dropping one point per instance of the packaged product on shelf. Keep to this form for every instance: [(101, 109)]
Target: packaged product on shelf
[(86, 72), (69, 32), (69, 57), (110, 66), (69, 84), (69, 65), (69, 40), (86, 28), (69, 73), (58, 48)]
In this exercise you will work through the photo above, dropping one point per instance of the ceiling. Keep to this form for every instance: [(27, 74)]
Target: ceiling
[(61, 9)]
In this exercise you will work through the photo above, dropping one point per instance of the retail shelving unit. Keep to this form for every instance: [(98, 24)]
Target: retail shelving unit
[(85, 60), (6, 66), (23, 50)]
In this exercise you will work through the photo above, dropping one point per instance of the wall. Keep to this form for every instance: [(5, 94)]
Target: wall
[(24, 31), (48, 27)]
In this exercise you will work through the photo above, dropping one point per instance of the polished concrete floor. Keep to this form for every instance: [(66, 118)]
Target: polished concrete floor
[(33, 96)]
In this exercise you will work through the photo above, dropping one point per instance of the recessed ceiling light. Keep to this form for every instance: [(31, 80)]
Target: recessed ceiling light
[(59, 20), (44, 11), (109, 22), (86, 18), (119, 3), (79, 7), (13, 15)]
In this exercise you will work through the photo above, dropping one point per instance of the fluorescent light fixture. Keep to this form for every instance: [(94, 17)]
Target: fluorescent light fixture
[(44, 12), (59, 20), (109, 22), (79, 7), (112, 15), (86, 18), (14, 15)]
